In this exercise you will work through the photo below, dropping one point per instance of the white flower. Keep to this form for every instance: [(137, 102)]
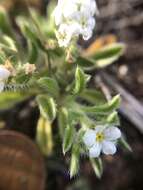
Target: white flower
[(66, 32), (63, 36), (74, 18), (4, 74), (102, 139)]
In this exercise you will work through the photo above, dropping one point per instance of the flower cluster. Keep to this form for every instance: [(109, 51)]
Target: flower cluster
[(101, 139), (4, 75), (74, 18)]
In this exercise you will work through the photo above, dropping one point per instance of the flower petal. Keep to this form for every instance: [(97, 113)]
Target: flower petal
[(4, 73), (1, 86), (112, 133), (95, 151), (89, 137), (108, 147), (100, 128)]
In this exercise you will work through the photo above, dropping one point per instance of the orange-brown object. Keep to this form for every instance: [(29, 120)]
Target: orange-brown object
[(99, 43), (21, 164)]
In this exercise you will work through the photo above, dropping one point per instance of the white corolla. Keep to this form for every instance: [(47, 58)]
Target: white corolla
[(101, 139), (4, 74), (77, 17)]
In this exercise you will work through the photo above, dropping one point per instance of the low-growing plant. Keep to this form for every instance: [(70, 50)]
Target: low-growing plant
[(43, 59)]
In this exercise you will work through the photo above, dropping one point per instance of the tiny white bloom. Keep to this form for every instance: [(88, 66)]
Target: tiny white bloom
[(74, 18), (4, 74), (102, 139), (63, 36)]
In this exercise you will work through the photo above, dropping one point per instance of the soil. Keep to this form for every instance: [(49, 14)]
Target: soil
[(121, 172), (124, 19)]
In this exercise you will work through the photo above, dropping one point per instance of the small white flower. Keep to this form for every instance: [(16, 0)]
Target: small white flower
[(66, 32), (4, 74), (102, 139), (74, 18), (63, 36)]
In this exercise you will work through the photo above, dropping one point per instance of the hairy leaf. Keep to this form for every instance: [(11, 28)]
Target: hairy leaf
[(9, 99), (125, 144), (105, 108), (74, 164), (62, 120), (97, 166), (47, 107), (68, 138), (80, 81), (49, 85), (44, 136), (103, 57)]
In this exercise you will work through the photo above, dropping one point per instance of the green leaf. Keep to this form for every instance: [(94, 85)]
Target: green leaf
[(97, 166), (9, 99), (110, 51), (68, 138), (8, 44), (27, 28), (113, 118), (44, 137), (33, 52), (86, 63), (3, 57), (108, 55), (49, 85), (103, 57), (62, 120), (80, 81), (93, 96), (5, 25), (125, 144), (74, 164), (47, 107), (110, 106)]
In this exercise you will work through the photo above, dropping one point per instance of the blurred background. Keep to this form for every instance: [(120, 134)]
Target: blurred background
[(119, 20)]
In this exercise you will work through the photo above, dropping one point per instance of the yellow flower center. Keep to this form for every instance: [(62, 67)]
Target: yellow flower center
[(99, 137)]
